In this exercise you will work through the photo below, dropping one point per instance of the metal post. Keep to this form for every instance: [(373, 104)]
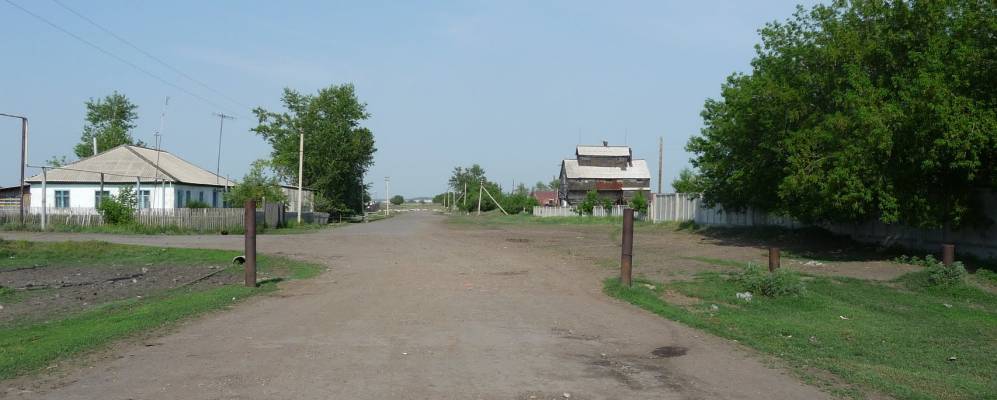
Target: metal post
[(44, 197), (387, 197), (948, 254), (626, 259), (774, 261), (250, 221), (95, 145), (301, 169), (24, 155), (661, 157), (221, 125)]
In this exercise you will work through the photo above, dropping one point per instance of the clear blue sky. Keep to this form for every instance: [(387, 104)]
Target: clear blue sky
[(511, 85)]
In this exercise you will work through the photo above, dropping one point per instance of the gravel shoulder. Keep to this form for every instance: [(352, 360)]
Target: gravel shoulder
[(415, 308)]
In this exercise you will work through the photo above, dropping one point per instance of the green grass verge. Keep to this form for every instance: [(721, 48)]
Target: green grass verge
[(493, 218), (28, 347), (138, 229), (894, 341)]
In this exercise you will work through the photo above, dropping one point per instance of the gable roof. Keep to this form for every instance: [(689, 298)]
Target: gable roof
[(603, 151), (123, 163), (637, 169)]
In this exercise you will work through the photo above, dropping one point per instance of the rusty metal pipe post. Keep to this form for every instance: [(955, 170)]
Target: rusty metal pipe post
[(948, 254), (626, 259), (774, 259), (250, 222)]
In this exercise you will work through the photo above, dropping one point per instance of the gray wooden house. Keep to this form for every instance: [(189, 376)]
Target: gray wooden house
[(609, 170)]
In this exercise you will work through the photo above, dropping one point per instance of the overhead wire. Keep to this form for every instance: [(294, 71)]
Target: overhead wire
[(115, 56), (149, 55)]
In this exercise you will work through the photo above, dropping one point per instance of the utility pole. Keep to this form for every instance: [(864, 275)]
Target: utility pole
[(301, 170), (387, 196), (661, 155), (221, 125), (481, 183), (465, 194), (95, 145), (24, 155)]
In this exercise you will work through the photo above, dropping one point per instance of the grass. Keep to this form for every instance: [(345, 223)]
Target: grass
[(894, 341), (28, 347)]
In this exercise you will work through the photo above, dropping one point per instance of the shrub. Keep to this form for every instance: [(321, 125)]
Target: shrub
[(397, 200), (782, 282), (120, 209), (639, 203), (517, 203), (197, 204), (935, 273), (587, 205)]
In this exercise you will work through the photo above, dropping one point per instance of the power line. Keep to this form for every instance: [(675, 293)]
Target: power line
[(114, 56), (147, 54)]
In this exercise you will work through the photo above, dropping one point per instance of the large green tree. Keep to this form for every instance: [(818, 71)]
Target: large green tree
[(858, 110), (338, 149), (110, 120), (259, 185)]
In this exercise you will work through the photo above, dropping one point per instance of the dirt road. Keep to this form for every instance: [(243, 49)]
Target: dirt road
[(412, 309)]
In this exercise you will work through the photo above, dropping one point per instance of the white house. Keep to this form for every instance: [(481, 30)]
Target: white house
[(160, 179)]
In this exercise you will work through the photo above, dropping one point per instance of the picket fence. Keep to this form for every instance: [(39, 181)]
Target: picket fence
[(615, 211), (183, 218)]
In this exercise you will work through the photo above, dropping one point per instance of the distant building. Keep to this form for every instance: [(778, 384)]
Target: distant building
[(9, 195), (609, 170), (546, 198), (307, 198), (160, 179)]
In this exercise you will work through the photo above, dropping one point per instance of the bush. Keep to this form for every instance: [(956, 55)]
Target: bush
[(780, 283), (517, 203), (397, 200), (197, 204), (120, 209), (587, 205), (935, 273), (639, 203)]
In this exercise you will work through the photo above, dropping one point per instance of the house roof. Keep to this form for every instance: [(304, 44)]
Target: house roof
[(544, 197), (637, 169), (603, 151), (123, 163)]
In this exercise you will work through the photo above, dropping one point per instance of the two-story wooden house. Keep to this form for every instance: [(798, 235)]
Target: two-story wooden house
[(609, 170)]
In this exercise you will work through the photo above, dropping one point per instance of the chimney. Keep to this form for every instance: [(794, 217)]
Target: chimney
[(605, 143)]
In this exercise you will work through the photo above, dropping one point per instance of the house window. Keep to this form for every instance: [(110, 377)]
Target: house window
[(97, 195), (61, 199), (186, 197), (179, 199), (214, 198), (144, 199), (200, 196)]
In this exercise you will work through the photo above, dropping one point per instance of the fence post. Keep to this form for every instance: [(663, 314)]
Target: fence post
[(626, 259), (773, 259), (250, 221), (948, 254)]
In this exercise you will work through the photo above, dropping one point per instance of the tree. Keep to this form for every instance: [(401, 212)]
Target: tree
[(57, 161), (861, 110), (588, 205), (687, 182), (110, 120), (338, 150), (541, 187), (397, 200), (257, 185), (554, 184), (521, 189)]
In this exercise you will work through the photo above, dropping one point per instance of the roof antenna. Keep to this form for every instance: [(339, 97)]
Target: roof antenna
[(159, 133)]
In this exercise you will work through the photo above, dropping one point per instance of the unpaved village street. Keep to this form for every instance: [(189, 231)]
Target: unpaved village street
[(415, 308)]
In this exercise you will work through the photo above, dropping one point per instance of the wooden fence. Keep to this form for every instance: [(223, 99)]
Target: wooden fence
[(201, 219)]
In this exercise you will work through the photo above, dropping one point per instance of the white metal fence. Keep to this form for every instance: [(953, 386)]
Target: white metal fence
[(689, 207)]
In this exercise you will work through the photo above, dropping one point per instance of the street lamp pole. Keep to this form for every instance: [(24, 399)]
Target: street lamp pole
[(24, 151), (387, 197)]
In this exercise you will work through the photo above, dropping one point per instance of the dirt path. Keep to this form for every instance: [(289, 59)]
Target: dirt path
[(412, 309)]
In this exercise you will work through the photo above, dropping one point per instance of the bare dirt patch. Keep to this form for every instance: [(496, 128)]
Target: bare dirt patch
[(44, 292)]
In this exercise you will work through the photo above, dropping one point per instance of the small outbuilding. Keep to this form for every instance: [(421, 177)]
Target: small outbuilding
[(611, 171)]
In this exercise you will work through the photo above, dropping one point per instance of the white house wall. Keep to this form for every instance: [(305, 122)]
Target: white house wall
[(82, 195)]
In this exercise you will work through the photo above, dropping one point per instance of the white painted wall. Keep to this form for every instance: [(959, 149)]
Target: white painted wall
[(82, 195)]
